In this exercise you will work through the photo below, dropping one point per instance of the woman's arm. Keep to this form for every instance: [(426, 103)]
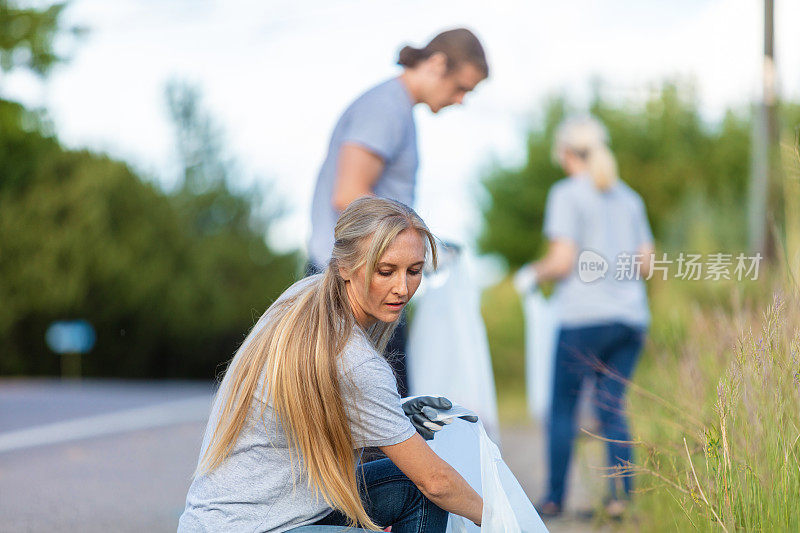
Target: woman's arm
[(558, 262), (436, 479), (646, 251)]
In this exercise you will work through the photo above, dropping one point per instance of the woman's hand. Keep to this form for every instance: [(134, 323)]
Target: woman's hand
[(423, 410), (525, 279)]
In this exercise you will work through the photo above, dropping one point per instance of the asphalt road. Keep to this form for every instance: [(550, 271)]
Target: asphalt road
[(118, 456)]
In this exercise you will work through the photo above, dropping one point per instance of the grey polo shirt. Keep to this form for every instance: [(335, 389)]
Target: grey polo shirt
[(612, 224), (382, 121)]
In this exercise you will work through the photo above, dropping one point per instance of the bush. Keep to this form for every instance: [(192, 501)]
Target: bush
[(665, 151), (171, 281)]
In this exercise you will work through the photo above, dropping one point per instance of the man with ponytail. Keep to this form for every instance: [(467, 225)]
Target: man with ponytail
[(602, 319), (373, 148), (309, 388)]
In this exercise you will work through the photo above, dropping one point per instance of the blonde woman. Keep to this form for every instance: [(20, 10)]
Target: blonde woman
[(309, 387), (602, 321)]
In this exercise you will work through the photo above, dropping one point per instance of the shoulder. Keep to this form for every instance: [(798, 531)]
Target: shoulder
[(564, 184), (390, 89), (566, 188), (630, 195), (382, 99), (362, 366), (359, 353), (284, 301), (298, 287)]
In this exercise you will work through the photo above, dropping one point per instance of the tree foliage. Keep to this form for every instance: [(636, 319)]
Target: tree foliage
[(27, 36), (682, 167), (170, 281)]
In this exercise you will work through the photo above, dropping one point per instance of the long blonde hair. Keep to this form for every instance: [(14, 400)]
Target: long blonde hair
[(587, 138), (297, 345)]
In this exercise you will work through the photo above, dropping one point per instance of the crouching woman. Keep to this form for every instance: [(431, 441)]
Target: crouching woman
[(309, 387)]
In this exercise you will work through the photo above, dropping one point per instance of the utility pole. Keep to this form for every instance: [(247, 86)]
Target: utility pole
[(765, 184)]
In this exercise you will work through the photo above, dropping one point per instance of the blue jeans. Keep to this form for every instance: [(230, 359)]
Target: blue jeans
[(609, 352), (390, 499)]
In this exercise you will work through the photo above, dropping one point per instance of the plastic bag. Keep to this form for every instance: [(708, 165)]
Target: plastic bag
[(447, 350), (467, 448), (541, 336), (541, 330)]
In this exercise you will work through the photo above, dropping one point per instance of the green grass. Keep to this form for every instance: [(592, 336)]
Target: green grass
[(721, 370), (716, 415), (715, 401), (502, 313)]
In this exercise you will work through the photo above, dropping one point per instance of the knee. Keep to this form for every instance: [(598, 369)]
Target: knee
[(433, 517), (436, 517), (612, 421)]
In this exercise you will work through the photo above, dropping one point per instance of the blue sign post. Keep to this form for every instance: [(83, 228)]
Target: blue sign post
[(70, 339)]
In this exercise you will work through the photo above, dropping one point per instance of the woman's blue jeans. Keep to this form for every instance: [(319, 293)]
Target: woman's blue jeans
[(609, 352), (390, 499)]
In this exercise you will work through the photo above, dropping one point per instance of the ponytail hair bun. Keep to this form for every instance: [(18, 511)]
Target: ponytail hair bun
[(587, 138), (410, 56), (459, 45)]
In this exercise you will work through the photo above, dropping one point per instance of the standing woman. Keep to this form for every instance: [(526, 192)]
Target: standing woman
[(373, 147), (309, 387), (603, 322)]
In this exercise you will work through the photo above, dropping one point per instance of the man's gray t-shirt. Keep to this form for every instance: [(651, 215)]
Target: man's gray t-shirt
[(253, 489), (608, 223), (382, 121)]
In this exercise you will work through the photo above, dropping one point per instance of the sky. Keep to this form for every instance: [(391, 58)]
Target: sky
[(276, 75)]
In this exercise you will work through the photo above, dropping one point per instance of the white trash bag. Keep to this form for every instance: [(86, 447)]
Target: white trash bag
[(467, 448), (448, 350), (541, 336), (541, 331)]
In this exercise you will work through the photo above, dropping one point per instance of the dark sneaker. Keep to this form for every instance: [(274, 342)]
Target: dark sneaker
[(615, 509), (548, 510)]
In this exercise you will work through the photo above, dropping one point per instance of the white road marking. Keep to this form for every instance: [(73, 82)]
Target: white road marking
[(163, 414)]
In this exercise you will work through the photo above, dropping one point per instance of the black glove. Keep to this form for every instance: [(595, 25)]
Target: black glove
[(422, 411)]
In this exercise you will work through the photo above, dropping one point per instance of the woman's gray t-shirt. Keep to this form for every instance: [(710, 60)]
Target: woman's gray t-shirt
[(253, 489), (612, 224)]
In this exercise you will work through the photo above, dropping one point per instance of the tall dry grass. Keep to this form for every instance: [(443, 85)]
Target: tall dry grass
[(716, 414), (716, 404), (715, 401)]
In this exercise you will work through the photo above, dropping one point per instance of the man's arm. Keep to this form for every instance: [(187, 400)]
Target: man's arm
[(357, 172)]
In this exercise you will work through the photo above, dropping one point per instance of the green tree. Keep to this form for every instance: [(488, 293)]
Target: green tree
[(27, 36), (170, 281), (239, 273), (88, 239), (514, 213), (692, 176)]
